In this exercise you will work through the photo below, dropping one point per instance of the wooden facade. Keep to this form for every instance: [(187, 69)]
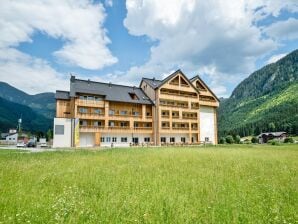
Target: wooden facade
[(174, 111)]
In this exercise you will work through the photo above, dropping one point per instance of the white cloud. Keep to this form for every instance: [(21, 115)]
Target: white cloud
[(78, 23), (199, 35), (284, 30), (275, 58), (32, 75)]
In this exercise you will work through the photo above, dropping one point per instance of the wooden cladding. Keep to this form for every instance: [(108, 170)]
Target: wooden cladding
[(173, 103), (207, 98), (174, 92)]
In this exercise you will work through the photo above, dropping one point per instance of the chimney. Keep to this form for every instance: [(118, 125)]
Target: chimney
[(72, 78)]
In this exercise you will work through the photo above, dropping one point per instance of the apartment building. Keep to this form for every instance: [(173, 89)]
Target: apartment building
[(171, 111)]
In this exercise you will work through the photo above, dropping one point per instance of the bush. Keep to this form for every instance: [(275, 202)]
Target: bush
[(237, 139), (254, 139), (289, 140), (229, 139), (222, 140), (273, 142)]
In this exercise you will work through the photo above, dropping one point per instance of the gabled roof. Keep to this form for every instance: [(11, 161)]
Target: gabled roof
[(111, 92), (154, 83), (276, 134), (62, 95), (197, 77)]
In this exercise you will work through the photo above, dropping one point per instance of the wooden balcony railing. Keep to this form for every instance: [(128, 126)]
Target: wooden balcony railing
[(90, 103)]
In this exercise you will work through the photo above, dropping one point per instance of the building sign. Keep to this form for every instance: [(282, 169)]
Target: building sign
[(77, 132)]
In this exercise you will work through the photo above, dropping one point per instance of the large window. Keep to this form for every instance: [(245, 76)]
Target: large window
[(59, 129), (108, 139), (97, 111), (124, 139), (114, 139), (102, 139), (83, 123), (146, 139), (163, 139), (111, 123), (111, 112), (83, 110), (183, 139), (123, 112), (172, 139)]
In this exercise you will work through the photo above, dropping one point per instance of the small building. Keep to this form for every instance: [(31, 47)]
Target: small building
[(12, 138), (267, 136)]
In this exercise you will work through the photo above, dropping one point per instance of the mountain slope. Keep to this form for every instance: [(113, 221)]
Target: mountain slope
[(10, 113), (43, 103), (266, 100)]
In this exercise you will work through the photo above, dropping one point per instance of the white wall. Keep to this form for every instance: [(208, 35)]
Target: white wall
[(123, 144), (12, 138), (87, 139), (65, 139), (207, 123), (177, 137)]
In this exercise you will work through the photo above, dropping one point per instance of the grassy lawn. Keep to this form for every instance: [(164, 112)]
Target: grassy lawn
[(227, 184)]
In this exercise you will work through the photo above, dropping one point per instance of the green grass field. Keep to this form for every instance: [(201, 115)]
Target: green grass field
[(226, 184)]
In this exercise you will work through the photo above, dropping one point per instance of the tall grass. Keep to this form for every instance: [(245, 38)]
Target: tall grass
[(229, 184)]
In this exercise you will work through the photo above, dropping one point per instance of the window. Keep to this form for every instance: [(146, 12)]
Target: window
[(133, 96), (97, 123), (146, 139), (83, 123), (136, 124), (59, 129), (163, 139), (172, 139), (135, 140), (90, 98), (97, 111), (183, 139), (111, 112), (114, 139), (108, 139), (123, 139), (111, 123), (98, 98), (135, 113), (123, 124), (102, 139), (206, 139), (83, 97), (83, 110), (123, 112)]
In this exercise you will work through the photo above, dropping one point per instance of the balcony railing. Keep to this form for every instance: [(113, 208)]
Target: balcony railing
[(181, 128), (90, 114), (90, 103)]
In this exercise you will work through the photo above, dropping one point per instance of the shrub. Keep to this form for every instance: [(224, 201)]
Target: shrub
[(222, 140), (289, 140), (273, 142), (229, 139), (254, 139), (237, 139)]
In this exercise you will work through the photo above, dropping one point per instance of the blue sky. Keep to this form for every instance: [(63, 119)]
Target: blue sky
[(123, 41)]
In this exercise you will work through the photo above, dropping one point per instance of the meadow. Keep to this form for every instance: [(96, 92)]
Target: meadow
[(222, 184)]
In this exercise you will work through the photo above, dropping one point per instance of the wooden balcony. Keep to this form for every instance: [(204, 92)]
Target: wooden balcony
[(90, 115), (90, 103)]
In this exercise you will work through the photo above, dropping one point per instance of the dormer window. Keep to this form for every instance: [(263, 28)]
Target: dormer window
[(133, 96)]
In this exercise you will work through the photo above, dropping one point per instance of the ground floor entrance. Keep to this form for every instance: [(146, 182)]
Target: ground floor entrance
[(87, 139)]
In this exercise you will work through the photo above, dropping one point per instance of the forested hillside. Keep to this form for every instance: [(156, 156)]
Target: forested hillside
[(10, 113), (266, 101), (37, 110)]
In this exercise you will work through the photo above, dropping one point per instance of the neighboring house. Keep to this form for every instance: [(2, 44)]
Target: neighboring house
[(12, 138), (266, 136), (169, 111), (4, 135)]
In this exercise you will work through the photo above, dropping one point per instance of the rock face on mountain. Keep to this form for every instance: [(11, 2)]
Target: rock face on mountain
[(265, 101)]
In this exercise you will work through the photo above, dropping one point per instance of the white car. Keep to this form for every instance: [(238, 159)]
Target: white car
[(21, 144), (43, 144)]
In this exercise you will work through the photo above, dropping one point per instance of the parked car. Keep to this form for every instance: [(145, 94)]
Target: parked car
[(31, 144), (43, 142), (21, 144)]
